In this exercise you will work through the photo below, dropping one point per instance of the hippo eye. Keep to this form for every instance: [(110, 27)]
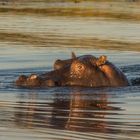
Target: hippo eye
[(80, 67), (77, 69)]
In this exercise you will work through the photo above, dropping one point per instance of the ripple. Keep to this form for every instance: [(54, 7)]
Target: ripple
[(73, 112), (118, 10)]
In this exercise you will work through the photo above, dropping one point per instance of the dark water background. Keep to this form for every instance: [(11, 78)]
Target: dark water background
[(33, 34)]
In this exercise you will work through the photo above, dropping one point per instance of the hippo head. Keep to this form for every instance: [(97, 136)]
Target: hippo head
[(85, 70), (34, 80), (90, 71)]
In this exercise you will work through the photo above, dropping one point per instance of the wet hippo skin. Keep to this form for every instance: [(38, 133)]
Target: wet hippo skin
[(86, 70)]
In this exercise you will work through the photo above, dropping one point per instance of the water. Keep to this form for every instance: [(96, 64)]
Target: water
[(31, 41)]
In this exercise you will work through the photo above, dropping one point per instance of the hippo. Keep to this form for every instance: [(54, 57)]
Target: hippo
[(84, 71)]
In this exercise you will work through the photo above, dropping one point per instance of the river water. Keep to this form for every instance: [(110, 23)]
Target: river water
[(33, 35)]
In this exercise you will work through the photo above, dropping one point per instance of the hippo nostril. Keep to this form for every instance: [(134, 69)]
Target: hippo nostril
[(22, 77), (33, 76), (21, 80)]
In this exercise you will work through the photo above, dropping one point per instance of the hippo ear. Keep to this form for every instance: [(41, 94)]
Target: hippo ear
[(73, 55), (101, 60)]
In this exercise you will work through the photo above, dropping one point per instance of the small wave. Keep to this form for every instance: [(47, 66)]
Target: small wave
[(74, 11), (52, 40), (66, 114), (132, 72)]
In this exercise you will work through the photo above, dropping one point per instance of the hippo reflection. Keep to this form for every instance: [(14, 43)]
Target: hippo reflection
[(86, 70), (72, 111)]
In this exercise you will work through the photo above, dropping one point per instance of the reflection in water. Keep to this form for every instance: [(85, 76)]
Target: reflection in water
[(74, 111), (70, 113), (88, 113)]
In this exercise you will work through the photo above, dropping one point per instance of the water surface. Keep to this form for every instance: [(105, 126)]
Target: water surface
[(30, 42)]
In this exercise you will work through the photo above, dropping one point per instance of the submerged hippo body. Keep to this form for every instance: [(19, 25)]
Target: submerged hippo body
[(85, 70)]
